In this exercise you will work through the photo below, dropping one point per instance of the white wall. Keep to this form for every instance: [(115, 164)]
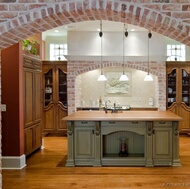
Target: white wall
[(136, 44)]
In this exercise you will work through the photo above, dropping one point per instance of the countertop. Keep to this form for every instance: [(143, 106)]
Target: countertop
[(123, 116), (131, 108)]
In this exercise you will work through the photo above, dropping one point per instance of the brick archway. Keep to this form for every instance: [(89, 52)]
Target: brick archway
[(26, 19), (76, 68)]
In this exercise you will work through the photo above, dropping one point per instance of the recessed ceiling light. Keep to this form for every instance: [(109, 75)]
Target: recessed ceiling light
[(132, 29), (56, 31)]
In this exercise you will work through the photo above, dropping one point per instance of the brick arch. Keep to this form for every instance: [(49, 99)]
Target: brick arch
[(155, 67), (76, 68), (158, 17)]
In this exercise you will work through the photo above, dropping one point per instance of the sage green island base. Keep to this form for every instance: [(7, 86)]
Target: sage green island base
[(148, 138)]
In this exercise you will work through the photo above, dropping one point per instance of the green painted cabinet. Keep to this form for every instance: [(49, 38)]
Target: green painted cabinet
[(84, 142), (162, 143)]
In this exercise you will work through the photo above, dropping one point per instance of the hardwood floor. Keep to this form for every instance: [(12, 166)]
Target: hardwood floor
[(45, 170)]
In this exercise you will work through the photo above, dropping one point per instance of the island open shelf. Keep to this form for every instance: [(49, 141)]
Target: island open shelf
[(146, 138)]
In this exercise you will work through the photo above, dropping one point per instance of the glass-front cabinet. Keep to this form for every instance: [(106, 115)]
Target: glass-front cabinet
[(185, 87), (48, 87), (62, 87), (55, 96), (178, 92), (171, 87)]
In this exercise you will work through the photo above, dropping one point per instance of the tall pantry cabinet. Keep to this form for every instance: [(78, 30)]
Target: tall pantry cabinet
[(55, 96), (32, 87), (178, 92), (21, 89)]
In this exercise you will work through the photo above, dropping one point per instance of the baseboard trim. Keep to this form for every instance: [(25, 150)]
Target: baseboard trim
[(13, 162)]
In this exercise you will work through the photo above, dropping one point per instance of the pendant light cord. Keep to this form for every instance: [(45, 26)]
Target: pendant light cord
[(101, 34), (148, 55), (101, 56), (149, 36), (123, 48)]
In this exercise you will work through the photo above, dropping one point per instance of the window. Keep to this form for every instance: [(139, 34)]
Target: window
[(176, 52), (57, 51)]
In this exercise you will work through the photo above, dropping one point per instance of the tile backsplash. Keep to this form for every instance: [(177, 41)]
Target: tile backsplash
[(137, 96)]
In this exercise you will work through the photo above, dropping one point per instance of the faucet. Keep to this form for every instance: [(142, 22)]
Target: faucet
[(106, 106), (114, 108)]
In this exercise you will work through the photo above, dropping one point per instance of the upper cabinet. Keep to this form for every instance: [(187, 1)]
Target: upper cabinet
[(178, 92), (185, 86), (55, 96)]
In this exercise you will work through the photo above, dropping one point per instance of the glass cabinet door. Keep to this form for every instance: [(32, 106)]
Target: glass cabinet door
[(171, 87), (48, 87), (185, 87), (62, 87)]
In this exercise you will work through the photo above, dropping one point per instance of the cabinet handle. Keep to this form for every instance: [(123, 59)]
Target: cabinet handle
[(84, 122), (135, 122), (92, 131), (162, 122), (112, 122)]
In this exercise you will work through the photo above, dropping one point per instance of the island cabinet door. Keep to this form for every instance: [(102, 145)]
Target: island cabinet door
[(162, 143), (84, 140)]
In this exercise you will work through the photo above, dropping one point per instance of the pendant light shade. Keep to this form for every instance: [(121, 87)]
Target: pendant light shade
[(102, 76), (148, 76), (124, 76)]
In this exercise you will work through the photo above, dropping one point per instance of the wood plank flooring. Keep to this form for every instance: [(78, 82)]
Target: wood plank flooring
[(45, 170)]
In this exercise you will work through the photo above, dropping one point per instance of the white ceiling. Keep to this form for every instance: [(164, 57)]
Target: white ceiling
[(90, 26)]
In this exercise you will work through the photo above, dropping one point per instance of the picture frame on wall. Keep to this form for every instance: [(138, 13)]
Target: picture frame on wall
[(114, 86)]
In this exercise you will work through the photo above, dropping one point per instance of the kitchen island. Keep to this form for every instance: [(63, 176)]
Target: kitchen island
[(128, 138)]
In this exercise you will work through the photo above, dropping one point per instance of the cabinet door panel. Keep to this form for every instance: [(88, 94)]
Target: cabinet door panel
[(184, 113), (61, 125), (28, 137), (162, 142), (84, 142), (49, 117), (28, 96), (37, 96), (38, 136)]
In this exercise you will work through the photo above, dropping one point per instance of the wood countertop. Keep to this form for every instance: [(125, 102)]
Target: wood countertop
[(123, 116)]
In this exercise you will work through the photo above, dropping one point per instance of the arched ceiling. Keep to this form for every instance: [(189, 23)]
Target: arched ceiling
[(24, 19)]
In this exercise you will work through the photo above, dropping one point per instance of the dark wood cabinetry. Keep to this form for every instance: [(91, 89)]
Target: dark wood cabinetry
[(32, 78), (55, 96), (178, 92)]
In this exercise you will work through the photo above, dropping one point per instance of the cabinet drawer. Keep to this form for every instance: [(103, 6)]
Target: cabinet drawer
[(162, 123), (84, 123), (127, 123)]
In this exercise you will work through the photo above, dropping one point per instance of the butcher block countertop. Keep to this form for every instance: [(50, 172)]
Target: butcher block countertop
[(123, 116)]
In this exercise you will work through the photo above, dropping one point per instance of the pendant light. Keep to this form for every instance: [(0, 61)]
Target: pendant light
[(148, 76), (124, 76), (102, 76)]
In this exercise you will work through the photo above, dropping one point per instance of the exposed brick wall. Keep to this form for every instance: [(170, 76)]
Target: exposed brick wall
[(22, 18), (76, 68)]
